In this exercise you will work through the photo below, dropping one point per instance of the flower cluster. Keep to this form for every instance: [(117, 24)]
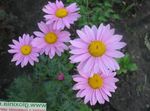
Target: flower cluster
[(50, 39), (95, 50)]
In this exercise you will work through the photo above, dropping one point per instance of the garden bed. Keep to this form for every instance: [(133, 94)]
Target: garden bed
[(133, 93)]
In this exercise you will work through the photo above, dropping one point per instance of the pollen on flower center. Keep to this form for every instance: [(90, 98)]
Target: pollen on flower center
[(51, 38), (97, 48), (62, 12), (26, 49), (96, 81)]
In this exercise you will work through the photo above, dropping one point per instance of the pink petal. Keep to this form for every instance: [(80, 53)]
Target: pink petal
[(88, 96), (72, 8), (115, 63), (109, 88), (96, 66), (21, 39), (58, 52), (89, 33), (102, 67), (34, 57), (108, 62), (59, 4), (79, 86), (115, 38), (93, 99), (42, 26), (49, 17), (19, 61), (83, 36), (87, 67), (47, 50), (106, 92), (80, 58), (116, 45), (78, 43), (107, 33), (115, 54), (13, 51), (94, 28), (38, 34), (16, 42), (27, 40), (16, 57), (99, 32), (66, 23), (47, 9), (31, 62), (79, 78), (64, 36), (84, 92), (52, 52), (60, 24), (38, 42), (79, 93), (52, 5), (80, 66), (99, 97), (25, 61), (13, 46), (78, 51), (105, 97)]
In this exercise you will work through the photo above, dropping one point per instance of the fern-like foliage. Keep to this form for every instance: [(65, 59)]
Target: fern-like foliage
[(126, 65), (43, 86)]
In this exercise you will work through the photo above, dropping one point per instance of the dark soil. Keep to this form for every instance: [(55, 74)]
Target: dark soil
[(133, 93), (16, 17)]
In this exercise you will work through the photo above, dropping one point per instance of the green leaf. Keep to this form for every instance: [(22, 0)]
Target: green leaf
[(126, 65)]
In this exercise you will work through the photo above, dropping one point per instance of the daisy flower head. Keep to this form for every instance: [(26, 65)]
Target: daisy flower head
[(23, 51), (95, 89), (96, 49), (50, 41), (59, 14)]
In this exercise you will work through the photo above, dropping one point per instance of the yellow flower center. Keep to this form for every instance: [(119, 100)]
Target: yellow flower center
[(26, 49), (50, 38), (62, 12), (97, 48), (96, 81)]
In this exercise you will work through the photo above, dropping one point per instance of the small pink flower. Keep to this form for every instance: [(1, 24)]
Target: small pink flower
[(96, 49), (60, 15), (23, 51), (51, 41), (95, 89), (60, 77)]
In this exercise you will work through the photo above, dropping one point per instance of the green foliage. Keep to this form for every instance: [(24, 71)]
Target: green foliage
[(95, 12), (48, 68), (24, 89), (126, 65), (43, 86)]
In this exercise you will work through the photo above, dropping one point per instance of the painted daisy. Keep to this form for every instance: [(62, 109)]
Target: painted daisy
[(23, 51), (50, 41), (95, 89), (59, 14), (96, 49)]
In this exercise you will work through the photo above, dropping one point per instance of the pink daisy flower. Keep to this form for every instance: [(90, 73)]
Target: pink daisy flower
[(23, 51), (60, 15), (50, 41), (95, 89), (96, 49)]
